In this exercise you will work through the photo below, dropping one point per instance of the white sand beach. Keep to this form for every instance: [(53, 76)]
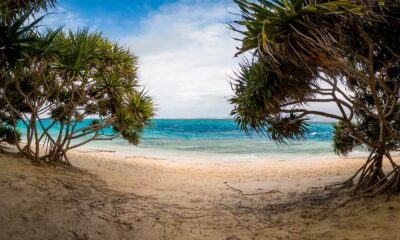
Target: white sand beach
[(104, 196)]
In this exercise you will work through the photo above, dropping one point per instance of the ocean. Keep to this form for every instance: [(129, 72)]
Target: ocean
[(215, 140)]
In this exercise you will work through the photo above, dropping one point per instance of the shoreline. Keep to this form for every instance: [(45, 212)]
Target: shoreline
[(132, 151), (216, 140), (210, 157)]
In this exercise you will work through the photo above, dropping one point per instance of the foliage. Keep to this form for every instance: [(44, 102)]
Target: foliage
[(64, 79), (16, 24), (11, 9), (258, 91), (8, 133), (78, 76), (281, 31), (343, 142), (340, 52)]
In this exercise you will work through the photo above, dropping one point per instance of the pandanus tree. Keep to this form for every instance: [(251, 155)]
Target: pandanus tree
[(84, 85), (79, 83), (340, 52), (17, 21)]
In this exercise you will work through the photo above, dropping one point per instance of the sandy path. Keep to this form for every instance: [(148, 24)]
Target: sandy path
[(110, 197)]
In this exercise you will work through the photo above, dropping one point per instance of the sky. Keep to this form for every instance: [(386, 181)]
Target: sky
[(185, 49)]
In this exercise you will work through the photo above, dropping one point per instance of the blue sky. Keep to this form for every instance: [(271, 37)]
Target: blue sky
[(184, 47), (110, 16)]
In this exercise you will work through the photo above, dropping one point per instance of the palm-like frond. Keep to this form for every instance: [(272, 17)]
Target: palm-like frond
[(78, 51), (343, 142), (17, 38), (289, 30), (13, 9), (66, 77), (259, 93), (283, 128)]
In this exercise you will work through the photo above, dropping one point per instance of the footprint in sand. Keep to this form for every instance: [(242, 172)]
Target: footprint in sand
[(196, 200)]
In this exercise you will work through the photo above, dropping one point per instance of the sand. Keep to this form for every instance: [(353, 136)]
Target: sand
[(104, 196)]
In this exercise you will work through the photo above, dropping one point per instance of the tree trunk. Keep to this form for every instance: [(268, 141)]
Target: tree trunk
[(372, 179)]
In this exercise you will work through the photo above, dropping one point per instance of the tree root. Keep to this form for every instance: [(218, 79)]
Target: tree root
[(372, 180)]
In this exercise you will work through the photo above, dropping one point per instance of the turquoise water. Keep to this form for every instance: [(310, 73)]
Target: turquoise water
[(215, 139)]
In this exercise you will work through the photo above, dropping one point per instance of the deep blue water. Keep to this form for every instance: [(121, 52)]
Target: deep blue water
[(214, 138)]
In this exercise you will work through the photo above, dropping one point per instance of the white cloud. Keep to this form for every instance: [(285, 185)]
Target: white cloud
[(61, 17), (185, 51), (186, 54)]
